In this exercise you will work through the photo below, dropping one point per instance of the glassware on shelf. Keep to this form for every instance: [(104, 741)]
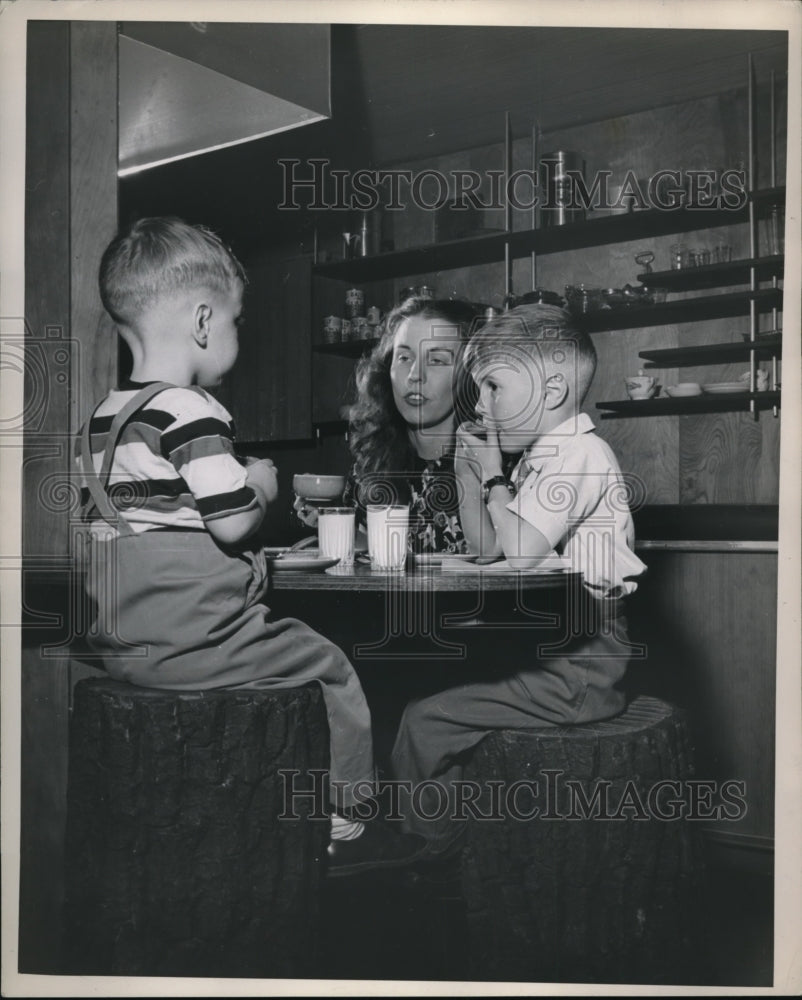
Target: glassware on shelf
[(698, 257), (776, 230), (645, 258), (721, 253), (679, 256)]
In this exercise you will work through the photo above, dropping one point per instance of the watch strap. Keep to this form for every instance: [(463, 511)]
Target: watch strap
[(488, 485)]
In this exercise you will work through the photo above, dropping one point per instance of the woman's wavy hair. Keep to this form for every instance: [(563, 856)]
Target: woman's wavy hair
[(378, 434)]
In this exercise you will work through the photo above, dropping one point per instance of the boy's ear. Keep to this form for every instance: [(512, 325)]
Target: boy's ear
[(556, 391), (201, 322)]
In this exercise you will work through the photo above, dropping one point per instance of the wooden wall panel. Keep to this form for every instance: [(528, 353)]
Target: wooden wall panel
[(269, 391), (709, 623), (93, 206), (71, 208), (50, 355)]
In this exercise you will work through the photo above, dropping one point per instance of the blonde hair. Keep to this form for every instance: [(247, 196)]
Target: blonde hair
[(161, 256), (541, 334)]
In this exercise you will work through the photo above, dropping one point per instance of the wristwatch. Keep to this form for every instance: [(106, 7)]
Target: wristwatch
[(496, 481)]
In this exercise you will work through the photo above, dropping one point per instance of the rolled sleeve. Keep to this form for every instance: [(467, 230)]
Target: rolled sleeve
[(558, 497)]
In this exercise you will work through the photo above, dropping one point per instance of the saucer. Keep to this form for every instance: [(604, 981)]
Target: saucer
[(301, 563), (725, 387)]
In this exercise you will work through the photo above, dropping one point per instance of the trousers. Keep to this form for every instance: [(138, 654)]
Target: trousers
[(173, 610), (437, 732)]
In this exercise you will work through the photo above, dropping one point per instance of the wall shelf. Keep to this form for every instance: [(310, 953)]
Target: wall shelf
[(769, 196), (665, 407), (735, 272), (713, 354), (487, 249), (681, 311)]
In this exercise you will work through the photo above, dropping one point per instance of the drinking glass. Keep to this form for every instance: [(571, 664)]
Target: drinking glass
[(335, 532), (388, 527), (679, 256)]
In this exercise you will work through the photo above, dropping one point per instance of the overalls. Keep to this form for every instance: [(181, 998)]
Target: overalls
[(176, 610)]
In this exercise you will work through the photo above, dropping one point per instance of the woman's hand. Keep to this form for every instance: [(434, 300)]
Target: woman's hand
[(473, 450), (306, 515)]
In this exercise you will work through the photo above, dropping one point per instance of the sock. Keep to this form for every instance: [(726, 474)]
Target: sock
[(344, 829)]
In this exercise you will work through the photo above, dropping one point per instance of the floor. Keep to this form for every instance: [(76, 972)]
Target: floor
[(397, 925)]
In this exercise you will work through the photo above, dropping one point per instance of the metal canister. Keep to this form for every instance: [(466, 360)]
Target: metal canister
[(558, 172), (354, 303), (332, 329)]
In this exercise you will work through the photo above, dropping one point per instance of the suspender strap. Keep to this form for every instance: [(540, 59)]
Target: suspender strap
[(97, 482)]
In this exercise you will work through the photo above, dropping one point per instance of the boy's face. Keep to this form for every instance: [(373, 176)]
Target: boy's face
[(223, 343), (511, 398)]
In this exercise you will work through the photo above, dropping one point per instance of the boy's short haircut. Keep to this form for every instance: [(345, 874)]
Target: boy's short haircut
[(161, 256), (542, 333)]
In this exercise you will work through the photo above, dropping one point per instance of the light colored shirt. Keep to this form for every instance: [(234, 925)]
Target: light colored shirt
[(573, 491)]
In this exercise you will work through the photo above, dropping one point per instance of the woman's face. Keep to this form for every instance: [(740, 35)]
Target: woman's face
[(425, 351)]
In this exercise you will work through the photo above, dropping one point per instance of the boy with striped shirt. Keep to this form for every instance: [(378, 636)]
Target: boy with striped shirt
[(171, 509)]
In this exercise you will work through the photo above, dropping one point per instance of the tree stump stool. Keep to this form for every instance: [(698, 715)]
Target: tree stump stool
[(177, 863), (586, 890)]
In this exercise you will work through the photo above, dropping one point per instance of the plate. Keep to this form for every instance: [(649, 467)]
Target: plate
[(725, 387), (302, 564)]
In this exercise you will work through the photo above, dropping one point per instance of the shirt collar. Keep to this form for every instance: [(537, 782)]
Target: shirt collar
[(551, 444)]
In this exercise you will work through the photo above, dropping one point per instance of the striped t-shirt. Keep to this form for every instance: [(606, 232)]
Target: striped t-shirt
[(174, 464)]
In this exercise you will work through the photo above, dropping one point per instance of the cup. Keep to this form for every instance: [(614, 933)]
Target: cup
[(335, 533), (354, 303), (388, 526), (332, 329), (679, 256), (640, 386)]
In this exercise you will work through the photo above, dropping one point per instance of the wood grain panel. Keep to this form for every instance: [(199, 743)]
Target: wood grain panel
[(47, 284), (71, 206), (269, 390), (93, 205), (709, 622), (43, 801)]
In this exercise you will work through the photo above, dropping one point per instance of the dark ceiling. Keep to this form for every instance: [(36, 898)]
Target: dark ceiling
[(407, 92)]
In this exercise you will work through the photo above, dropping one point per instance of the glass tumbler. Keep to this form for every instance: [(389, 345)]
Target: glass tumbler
[(679, 256), (335, 532), (388, 527)]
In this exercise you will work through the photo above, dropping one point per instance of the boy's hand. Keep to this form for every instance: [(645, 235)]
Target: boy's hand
[(263, 475), (483, 456)]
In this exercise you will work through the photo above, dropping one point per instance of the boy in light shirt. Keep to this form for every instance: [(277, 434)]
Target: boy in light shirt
[(567, 494)]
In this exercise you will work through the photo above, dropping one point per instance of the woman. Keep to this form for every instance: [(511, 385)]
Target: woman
[(412, 393)]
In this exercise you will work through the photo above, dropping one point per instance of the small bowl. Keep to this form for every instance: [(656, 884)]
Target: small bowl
[(312, 487), (684, 389)]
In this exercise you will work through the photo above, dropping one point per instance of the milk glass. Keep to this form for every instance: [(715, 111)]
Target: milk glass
[(388, 527), (335, 532)]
